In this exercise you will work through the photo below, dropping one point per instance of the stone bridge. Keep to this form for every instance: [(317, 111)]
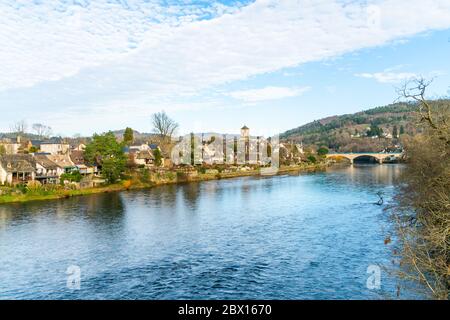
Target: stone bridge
[(378, 156)]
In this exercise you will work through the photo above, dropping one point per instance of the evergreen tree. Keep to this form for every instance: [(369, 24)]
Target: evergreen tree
[(128, 137), (395, 132), (104, 150), (158, 157)]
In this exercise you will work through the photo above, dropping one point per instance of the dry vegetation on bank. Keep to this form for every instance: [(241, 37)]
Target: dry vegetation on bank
[(423, 212)]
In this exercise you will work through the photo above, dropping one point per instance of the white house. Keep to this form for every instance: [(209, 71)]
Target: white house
[(80, 147), (46, 170), (10, 148), (144, 157), (55, 147), (63, 162), (18, 168), (137, 148)]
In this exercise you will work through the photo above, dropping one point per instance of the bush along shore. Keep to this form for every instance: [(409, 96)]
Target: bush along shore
[(138, 179)]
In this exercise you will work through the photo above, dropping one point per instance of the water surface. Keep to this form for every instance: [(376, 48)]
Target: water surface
[(307, 236)]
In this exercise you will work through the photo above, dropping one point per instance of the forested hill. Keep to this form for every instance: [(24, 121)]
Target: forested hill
[(370, 130)]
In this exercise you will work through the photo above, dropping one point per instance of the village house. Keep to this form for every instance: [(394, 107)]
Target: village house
[(387, 135), (16, 168), (143, 155), (10, 148), (55, 147), (145, 158), (36, 144), (79, 147), (46, 170), (77, 157), (64, 163), (137, 148)]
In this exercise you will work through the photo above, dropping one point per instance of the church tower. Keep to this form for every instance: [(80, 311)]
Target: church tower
[(245, 134)]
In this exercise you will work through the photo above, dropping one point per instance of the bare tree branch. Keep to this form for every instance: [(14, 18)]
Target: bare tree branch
[(42, 130), (20, 127), (415, 90), (164, 126)]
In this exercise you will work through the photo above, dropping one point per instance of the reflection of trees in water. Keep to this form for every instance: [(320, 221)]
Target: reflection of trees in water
[(26, 212), (385, 174), (9, 213), (190, 193), (101, 207), (159, 197)]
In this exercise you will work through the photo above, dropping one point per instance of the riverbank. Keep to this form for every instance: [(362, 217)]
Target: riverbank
[(135, 184)]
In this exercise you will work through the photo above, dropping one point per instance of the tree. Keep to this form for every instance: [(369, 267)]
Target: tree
[(2, 150), (20, 127), (158, 157), (105, 151), (322, 151), (269, 150), (164, 126), (128, 137), (402, 130), (374, 131), (422, 213), (41, 130), (33, 149), (395, 132)]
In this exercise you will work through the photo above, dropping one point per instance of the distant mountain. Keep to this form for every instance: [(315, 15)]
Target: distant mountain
[(370, 130), (139, 137), (13, 136)]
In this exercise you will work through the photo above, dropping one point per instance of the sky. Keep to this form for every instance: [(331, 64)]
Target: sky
[(84, 66)]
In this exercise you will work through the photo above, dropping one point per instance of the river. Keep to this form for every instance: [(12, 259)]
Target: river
[(303, 236)]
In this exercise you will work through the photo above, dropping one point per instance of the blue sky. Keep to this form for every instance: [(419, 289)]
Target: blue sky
[(90, 66)]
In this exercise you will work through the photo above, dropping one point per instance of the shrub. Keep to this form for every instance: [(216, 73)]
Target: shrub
[(145, 175), (22, 188), (202, 170), (74, 176), (422, 212), (312, 159), (322, 151), (181, 175), (170, 175)]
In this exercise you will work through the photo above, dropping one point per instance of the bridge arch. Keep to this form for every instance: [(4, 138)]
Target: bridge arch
[(379, 157)]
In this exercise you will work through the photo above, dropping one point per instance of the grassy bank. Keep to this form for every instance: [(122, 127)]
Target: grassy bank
[(136, 182)]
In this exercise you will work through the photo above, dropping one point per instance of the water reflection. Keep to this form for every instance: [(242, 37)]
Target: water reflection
[(367, 174), (305, 236), (101, 208)]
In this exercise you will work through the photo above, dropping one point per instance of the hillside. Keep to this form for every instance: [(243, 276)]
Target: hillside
[(139, 137), (370, 130)]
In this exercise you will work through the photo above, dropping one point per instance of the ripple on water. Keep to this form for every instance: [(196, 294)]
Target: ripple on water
[(310, 236)]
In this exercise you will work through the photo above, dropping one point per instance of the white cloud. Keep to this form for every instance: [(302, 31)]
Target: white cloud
[(267, 93), (92, 56), (172, 47), (395, 75), (48, 41), (388, 77)]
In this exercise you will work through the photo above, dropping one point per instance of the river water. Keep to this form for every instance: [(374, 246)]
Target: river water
[(304, 236)]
